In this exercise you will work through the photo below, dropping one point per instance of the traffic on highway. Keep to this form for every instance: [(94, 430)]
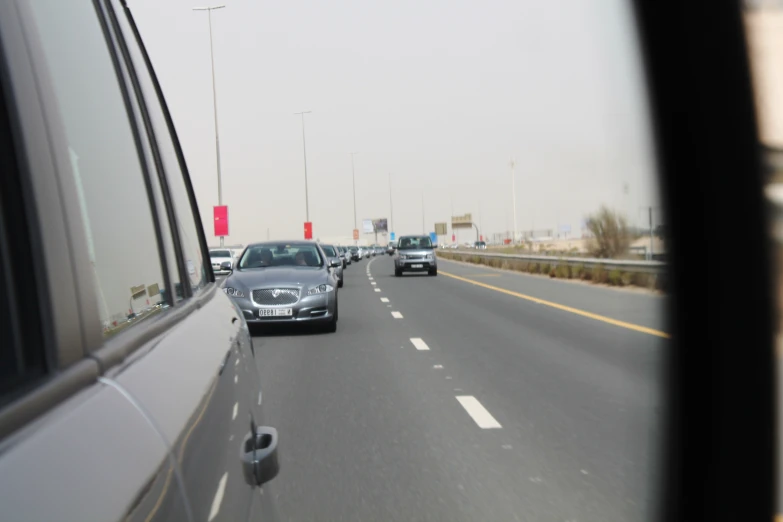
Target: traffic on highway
[(437, 268)]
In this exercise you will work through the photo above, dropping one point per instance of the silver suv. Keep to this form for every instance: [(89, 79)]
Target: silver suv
[(415, 254)]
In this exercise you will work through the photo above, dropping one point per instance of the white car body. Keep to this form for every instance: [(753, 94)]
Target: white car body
[(218, 257)]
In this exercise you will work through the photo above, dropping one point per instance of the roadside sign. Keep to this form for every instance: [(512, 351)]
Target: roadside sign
[(356, 233), (308, 230), (220, 214), (392, 236), (433, 238), (440, 229), (453, 238)]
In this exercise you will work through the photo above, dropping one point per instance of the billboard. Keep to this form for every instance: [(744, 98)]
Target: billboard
[(220, 214), (138, 291), (441, 229), (380, 225), (465, 221), (367, 226)]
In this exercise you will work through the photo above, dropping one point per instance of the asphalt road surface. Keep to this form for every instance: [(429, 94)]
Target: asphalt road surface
[(475, 395)]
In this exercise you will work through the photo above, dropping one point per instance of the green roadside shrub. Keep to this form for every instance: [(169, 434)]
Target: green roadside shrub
[(615, 278)]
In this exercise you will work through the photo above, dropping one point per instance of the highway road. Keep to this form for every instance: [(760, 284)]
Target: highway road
[(473, 395)]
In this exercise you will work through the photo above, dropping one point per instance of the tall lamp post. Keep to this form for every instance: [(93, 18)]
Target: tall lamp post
[(304, 147), (391, 207), (512, 164), (353, 177), (214, 102)]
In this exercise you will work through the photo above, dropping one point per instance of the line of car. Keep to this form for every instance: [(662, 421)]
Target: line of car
[(297, 282)]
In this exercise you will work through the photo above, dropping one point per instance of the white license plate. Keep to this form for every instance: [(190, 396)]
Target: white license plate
[(275, 312), (417, 266)]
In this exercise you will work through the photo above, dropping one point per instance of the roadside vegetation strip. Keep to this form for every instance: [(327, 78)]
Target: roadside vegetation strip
[(564, 308), (562, 269)]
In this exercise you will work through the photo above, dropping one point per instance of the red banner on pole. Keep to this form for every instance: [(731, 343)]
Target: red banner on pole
[(453, 238), (308, 230), (221, 220), (356, 233)]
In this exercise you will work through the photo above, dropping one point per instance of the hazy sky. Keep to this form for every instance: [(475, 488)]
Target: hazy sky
[(440, 94)]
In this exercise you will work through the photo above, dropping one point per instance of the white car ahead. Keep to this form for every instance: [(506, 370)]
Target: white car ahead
[(219, 256)]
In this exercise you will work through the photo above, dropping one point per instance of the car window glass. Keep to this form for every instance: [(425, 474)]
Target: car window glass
[(104, 162), (329, 251), (185, 215), (281, 255)]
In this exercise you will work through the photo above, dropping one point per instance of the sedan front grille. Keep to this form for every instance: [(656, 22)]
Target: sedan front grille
[(276, 296)]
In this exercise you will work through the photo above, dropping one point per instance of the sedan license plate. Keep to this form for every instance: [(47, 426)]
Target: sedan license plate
[(275, 312), (417, 266)]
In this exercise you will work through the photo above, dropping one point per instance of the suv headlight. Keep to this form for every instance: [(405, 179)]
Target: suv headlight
[(234, 292), (403, 256), (429, 256), (320, 289)]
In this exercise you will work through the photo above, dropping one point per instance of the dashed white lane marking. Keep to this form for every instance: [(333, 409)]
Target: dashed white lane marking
[(377, 289), (479, 413), (371, 279), (218, 497), (419, 344), (437, 366), (397, 315), (373, 283), (236, 379), (236, 407), (384, 299)]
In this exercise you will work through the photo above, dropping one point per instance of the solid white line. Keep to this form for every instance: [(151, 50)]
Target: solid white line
[(236, 407), (384, 299), (419, 344), (397, 315), (218, 497), (377, 289), (483, 418)]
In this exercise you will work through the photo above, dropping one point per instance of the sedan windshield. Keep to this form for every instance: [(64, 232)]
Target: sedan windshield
[(219, 253), (329, 250), (281, 254), (415, 243)]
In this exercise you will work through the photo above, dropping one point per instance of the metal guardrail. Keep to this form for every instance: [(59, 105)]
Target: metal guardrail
[(647, 267)]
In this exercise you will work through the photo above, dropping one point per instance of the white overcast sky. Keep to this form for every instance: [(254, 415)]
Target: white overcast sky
[(439, 93)]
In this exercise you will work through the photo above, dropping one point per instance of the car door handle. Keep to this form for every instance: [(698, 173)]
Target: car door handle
[(259, 456)]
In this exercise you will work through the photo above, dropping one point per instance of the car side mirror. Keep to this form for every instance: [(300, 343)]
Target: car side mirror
[(434, 246), (226, 265), (334, 262)]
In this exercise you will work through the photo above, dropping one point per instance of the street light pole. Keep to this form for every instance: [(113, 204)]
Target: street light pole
[(391, 205), (304, 147), (514, 198), (214, 102), (423, 227), (353, 178)]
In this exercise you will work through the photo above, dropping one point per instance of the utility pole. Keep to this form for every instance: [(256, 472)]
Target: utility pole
[(423, 228), (651, 233), (514, 197), (391, 207), (304, 146), (353, 177), (214, 103)]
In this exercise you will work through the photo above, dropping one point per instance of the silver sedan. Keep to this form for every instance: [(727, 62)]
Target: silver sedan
[(285, 282)]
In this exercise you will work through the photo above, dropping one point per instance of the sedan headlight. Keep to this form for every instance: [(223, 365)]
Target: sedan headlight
[(320, 289), (234, 292)]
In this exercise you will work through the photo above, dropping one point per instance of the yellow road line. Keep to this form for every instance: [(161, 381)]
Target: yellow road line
[(484, 275), (590, 315)]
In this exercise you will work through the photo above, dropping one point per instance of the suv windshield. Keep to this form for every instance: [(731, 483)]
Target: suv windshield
[(219, 253), (415, 243), (281, 254), (329, 250)]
